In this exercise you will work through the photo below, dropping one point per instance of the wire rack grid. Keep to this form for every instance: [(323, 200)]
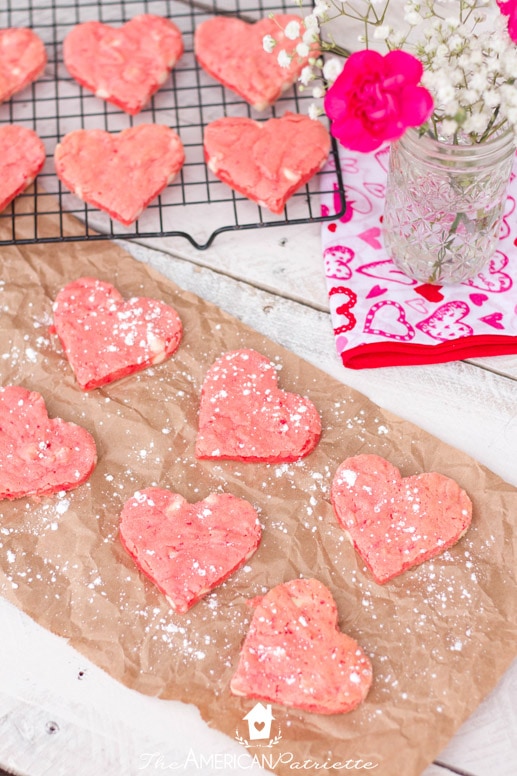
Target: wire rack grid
[(195, 201)]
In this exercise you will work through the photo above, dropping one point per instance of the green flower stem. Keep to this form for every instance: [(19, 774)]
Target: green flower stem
[(437, 266)]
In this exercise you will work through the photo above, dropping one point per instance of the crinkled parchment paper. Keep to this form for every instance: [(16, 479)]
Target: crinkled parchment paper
[(439, 637)]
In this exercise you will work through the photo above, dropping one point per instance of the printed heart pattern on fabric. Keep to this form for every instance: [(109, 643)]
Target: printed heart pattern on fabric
[(372, 237), (446, 323), (418, 305), (356, 202), (119, 173), (244, 416), (337, 260), (388, 319), (105, 337), (22, 60), (22, 156), (39, 455), (375, 291), (430, 292), (294, 654), (266, 161), (495, 280), (478, 299), (188, 549), (232, 51), (123, 66), (344, 299), (494, 319), (386, 270), (396, 523)]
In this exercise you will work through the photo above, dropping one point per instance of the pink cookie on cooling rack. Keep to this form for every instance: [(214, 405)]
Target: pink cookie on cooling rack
[(125, 65), (22, 156), (266, 161), (22, 60), (119, 173), (232, 51)]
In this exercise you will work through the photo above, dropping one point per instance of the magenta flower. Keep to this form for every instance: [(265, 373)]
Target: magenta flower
[(376, 98), (509, 8)]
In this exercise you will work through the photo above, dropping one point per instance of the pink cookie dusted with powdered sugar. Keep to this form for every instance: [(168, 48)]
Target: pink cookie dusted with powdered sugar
[(245, 416), (106, 337), (397, 522), (188, 549), (294, 654), (40, 455)]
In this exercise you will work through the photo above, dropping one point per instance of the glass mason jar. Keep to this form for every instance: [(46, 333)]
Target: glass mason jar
[(445, 204)]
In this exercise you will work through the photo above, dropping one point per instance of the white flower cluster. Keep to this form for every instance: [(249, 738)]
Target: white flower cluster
[(469, 68)]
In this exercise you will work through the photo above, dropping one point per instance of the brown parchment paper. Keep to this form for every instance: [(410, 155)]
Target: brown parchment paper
[(439, 637)]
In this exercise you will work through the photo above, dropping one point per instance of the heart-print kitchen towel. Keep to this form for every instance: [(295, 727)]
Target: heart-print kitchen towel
[(381, 317)]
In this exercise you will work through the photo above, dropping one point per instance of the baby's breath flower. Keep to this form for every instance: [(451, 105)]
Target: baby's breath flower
[(269, 43), (318, 92), (321, 9), (382, 32), (332, 68), (283, 58), (311, 23), (292, 30), (449, 127), (307, 75), (315, 111), (413, 18), (303, 50), (309, 36)]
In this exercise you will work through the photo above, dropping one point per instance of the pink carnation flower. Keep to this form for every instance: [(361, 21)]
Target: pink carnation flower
[(509, 8), (376, 98)]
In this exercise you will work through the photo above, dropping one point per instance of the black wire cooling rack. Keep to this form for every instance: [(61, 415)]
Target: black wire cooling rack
[(196, 201)]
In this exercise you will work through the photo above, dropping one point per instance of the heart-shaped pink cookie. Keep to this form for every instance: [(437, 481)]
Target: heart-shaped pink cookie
[(22, 60), (293, 653), (124, 66), (188, 549), (244, 416), (106, 338), (22, 155), (38, 455), (266, 161), (232, 52), (119, 173), (395, 523)]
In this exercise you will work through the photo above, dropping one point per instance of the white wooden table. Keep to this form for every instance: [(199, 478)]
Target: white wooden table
[(61, 715)]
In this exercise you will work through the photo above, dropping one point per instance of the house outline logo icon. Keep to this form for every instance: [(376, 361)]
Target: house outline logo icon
[(259, 720)]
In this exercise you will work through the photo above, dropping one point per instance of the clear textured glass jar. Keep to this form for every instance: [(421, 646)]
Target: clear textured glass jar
[(445, 204)]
